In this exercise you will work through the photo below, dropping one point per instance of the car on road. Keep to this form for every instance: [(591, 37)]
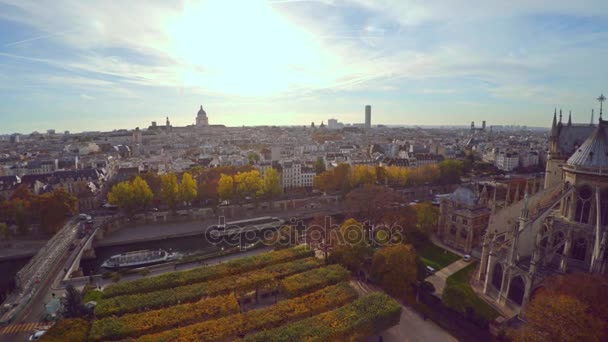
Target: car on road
[(466, 257), (430, 270), (36, 335)]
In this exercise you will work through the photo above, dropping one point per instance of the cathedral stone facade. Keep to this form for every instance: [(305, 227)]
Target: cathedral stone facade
[(561, 229)]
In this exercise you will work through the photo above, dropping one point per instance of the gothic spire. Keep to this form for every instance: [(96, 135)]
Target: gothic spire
[(554, 126), (601, 99), (570, 119), (560, 116)]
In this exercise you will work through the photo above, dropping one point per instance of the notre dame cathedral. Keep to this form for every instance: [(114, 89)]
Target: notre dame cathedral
[(561, 229)]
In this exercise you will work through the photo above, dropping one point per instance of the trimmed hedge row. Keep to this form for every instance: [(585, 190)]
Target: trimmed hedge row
[(150, 322), (231, 327), (364, 317), (190, 293), (67, 330), (201, 274), (298, 284)]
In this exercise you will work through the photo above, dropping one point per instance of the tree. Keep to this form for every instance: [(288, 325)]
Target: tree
[(4, 233), (590, 289), (187, 188), (396, 176), (450, 171), (319, 165), (142, 194), (72, 303), (248, 184), (53, 208), (169, 190), (122, 196), (253, 157), (351, 247), (371, 202), (225, 187), (427, 217), (336, 179), (153, 181), (362, 174), (559, 318), (394, 269), (272, 183)]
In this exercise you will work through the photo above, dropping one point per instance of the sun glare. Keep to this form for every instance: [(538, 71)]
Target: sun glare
[(245, 47)]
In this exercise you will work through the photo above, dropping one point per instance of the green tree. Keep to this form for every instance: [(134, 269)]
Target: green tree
[(450, 171), (122, 196), (72, 303), (426, 217), (169, 190), (225, 187), (394, 268), (319, 166), (253, 157), (248, 184), (187, 188), (142, 194), (272, 183)]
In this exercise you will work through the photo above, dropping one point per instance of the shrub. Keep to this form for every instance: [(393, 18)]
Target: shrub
[(149, 322), (313, 280), (67, 330), (232, 327), (201, 274), (356, 321), (184, 294), (92, 295)]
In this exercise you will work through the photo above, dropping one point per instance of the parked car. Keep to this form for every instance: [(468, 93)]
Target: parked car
[(430, 270), (466, 257)]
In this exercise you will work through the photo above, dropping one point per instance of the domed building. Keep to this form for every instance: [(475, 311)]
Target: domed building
[(562, 229), (201, 118)]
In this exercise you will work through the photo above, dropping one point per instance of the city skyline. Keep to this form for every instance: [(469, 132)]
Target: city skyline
[(92, 67)]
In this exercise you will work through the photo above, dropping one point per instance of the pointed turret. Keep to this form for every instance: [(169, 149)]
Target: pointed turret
[(560, 117), (554, 126), (570, 119)]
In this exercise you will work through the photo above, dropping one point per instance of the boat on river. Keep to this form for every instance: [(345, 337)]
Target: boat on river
[(140, 258)]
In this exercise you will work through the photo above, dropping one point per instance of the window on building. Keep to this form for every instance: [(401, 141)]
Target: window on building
[(463, 234)]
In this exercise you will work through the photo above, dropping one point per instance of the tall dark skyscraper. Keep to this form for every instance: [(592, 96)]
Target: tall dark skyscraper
[(368, 116)]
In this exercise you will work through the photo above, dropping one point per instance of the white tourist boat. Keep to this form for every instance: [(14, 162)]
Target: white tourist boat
[(139, 258)]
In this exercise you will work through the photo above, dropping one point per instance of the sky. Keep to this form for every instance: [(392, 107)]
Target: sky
[(102, 65)]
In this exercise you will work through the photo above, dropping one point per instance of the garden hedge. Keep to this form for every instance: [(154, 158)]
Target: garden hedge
[(201, 274), (190, 293), (149, 322), (67, 330), (235, 326), (362, 318), (296, 285)]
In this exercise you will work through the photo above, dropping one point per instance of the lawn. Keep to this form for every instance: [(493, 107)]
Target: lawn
[(435, 256), (459, 295)]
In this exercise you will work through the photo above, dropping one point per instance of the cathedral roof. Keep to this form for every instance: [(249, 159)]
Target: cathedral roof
[(593, 153)]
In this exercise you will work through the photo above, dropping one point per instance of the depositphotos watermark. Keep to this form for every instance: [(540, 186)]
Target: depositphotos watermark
[(278, 232)]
